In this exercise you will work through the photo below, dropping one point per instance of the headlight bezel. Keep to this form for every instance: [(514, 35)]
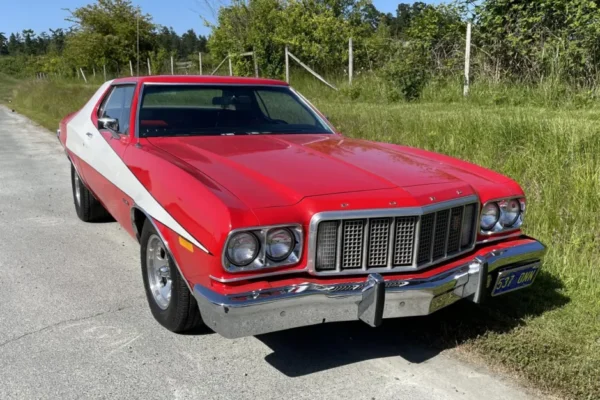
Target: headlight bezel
[(262, 261), (499, 227)]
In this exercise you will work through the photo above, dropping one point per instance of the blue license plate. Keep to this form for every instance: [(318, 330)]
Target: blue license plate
[(515, 278)]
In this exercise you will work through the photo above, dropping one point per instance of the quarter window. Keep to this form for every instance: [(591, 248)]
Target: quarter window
[(117, 105)]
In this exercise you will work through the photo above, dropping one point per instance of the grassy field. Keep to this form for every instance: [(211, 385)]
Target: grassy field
[(549, 141)]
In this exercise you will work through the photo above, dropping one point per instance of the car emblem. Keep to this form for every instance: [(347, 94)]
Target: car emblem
[(459, 192), (393, 203), (344, 205), (432, 198)]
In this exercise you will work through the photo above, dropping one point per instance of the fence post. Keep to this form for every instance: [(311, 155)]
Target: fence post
[(172, 70), (287, 65), (200, 62), (130, 67), (94, 71), (467, 60), (149, 69), (230, 66), (350, 61), (255, 62), (104, 68), (83, 75)]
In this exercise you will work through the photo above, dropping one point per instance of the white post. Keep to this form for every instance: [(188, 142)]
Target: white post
[(350, 61), (200, 62), (255, 63), (287, 65), (230, 66), (467, 60), (83, 75), (130, 67), (172, 70), (104, 68), (149, 68)]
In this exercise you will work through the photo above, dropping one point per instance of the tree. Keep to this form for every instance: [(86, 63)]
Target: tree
[(3, 44), (106, 31)]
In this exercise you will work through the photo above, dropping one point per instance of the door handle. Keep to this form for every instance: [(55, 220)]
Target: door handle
[(89, 134)]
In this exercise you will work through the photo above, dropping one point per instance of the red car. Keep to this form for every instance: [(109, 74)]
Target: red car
[(255, 215)]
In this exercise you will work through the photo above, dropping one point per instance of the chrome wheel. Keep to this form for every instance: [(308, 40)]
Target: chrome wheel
[(159, 273), (77, 184)]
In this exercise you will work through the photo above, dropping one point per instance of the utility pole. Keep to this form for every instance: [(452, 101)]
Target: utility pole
[(138, 41)]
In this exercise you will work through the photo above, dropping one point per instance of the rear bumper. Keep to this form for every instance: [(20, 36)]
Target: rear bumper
[(370, 299)]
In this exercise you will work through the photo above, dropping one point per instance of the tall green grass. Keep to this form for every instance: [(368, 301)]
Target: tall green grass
[(548, 334)]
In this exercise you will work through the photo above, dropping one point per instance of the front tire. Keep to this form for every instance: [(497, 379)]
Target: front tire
[(87, 207), (170, 300)]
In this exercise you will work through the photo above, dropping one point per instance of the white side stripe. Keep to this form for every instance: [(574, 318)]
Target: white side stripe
[(96, 152)]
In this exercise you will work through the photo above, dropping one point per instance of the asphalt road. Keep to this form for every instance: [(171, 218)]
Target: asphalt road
[(74, 322)]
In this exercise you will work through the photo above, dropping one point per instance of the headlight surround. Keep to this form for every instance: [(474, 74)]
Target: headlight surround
[(242, 248), (510, 215), (278, 246)]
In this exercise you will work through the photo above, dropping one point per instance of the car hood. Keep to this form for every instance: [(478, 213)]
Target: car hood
[(280, 170)]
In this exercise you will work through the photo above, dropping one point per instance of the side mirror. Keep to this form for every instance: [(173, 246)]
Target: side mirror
[(111, 125)]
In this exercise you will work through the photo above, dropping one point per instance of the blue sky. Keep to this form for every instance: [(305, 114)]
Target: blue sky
[(40, 15)]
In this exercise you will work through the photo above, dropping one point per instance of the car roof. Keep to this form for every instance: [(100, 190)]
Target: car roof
[(200, 79)]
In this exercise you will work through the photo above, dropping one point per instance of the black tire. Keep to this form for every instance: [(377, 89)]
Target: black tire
[(182, 313), (87, 207)]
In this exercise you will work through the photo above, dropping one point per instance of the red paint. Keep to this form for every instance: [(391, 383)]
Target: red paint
[(213, 184)]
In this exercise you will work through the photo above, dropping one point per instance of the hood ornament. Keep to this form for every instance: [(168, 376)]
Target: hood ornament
[(432, 198), (459, 192)]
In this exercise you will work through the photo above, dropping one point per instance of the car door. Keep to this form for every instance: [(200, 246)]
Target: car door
[(107, 152)]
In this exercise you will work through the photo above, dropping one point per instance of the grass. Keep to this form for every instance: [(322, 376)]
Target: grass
[(550, 334)]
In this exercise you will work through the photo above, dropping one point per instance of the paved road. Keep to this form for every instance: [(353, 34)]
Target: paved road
[(74, 321)]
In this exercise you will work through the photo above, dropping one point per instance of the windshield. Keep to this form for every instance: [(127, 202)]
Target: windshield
[(197, 110)]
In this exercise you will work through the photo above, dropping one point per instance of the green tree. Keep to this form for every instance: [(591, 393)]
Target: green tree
[(106, 32)]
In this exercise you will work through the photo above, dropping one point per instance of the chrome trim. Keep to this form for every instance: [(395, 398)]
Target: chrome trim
[(498, 228), (385, 213), (261, 261), (369, 298), (496, 239), (166, 243), (257, 276)]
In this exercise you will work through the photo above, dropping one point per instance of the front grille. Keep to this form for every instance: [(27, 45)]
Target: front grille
[(385, 243)]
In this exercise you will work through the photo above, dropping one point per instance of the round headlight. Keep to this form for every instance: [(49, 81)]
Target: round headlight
[(242, 248), (280, 244), (489, 216), (511, 209)]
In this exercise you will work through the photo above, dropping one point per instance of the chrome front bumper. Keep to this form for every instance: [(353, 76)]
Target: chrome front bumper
[(369, 300)]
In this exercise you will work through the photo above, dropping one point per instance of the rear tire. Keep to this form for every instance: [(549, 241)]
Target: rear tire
[(170, 300), (87, 207)]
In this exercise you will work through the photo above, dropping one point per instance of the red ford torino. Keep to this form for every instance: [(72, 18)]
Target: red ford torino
[(255, 215)]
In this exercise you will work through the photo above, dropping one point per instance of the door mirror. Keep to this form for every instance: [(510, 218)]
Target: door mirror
[(111, 125)]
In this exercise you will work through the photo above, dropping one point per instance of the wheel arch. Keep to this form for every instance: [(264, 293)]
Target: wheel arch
[(138, 219)]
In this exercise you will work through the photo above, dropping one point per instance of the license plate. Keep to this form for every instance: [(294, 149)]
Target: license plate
[(516, 278)]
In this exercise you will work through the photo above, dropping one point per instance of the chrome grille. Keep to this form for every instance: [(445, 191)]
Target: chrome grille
[(374, 241), (379, 233), (352, 243), (441, 236), (404, 240)]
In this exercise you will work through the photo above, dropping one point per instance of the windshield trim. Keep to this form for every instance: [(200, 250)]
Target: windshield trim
[(313, 110)]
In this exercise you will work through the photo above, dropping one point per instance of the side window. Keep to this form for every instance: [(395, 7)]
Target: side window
[(117, 105), (282, 106)]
